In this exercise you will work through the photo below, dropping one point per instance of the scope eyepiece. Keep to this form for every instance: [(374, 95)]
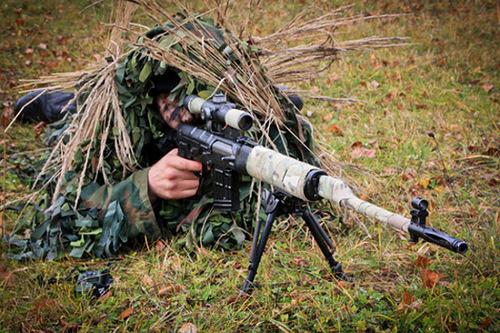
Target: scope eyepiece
[(419, 203)]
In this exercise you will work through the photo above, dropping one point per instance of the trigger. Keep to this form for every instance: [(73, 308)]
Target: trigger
[(200, 174)]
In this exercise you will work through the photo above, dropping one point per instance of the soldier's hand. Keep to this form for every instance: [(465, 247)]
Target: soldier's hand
[(172, 177)]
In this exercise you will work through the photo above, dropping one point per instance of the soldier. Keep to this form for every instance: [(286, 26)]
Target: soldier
[(163, 196)]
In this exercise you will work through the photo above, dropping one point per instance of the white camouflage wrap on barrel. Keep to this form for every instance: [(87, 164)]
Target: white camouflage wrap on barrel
[(279, 170), (337, 190), (290, 175)]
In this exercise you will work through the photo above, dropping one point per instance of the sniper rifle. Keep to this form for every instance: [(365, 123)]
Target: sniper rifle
[(227, 154)]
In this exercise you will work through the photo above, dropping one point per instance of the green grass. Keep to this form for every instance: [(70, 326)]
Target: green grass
[(446, 84)]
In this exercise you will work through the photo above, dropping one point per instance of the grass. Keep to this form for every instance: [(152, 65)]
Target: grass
[(445, 84)]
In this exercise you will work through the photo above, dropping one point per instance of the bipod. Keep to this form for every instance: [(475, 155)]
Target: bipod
[(279, 203)]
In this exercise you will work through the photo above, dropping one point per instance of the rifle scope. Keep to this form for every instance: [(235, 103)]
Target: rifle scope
[(219, 111)]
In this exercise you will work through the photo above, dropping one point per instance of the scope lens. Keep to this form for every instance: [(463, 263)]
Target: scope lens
[(246, 122)]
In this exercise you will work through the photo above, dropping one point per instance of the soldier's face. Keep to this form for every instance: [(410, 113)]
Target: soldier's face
[(171, 112)]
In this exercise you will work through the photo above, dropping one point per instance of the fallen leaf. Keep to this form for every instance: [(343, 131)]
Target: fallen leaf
[(424, 182), (389, 171), (334, 129), (430, 278), (328, 117), (188, 328), (67, 327), (160, 246), (487, 87), (492, 152), (363, 152), (440, 188), (421, 261), (232, 299), (406, 301), (300, 262), (170, 289), (126, 313), (485, 324), (147, 280), (8, 279), (373, 85)]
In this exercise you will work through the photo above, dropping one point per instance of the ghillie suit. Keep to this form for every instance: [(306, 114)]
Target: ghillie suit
[(94, 182)]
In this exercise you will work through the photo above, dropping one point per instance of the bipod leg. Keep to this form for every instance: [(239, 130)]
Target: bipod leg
[(325, 244), (258, 247)]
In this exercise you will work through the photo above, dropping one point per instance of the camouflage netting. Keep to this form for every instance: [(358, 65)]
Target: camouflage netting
[(104, 142)]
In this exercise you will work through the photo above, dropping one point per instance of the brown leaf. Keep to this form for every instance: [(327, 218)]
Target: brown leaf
[(126, 313), (334, 129), (373, 85), (160, 246), (421, 261), (390, 171), (170, 289), (300, 262), (487, 87), (232, 299), (42, 53), (188, 328), (492, 152), (363, 152), (147, 280), (67, 327), (406, 301), (357, 144), (4, 120), (485, 324), (409, 302), (407, 298), (430, 278), (328, 117), (8, 279)]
